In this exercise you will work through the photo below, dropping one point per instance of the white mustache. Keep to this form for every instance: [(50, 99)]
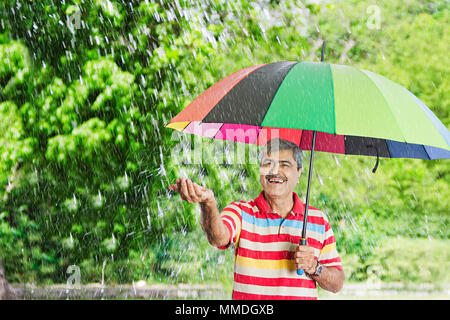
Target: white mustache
[(272, 176)]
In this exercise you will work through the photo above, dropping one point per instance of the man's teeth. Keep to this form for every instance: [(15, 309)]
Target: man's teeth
[(276, 181)]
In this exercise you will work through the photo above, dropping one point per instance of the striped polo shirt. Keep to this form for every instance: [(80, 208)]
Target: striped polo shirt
[(265, 244)]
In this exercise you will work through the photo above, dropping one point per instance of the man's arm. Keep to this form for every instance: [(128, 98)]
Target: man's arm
[(331, 279), (216, 232)]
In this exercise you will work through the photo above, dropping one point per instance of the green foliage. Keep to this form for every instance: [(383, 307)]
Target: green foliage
[(86, 88), (402, 260), (14, 147)]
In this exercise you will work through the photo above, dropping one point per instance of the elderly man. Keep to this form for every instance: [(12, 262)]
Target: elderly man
[(266, 232)]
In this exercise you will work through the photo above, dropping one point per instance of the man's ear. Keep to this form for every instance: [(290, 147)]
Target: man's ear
[(299, 171)]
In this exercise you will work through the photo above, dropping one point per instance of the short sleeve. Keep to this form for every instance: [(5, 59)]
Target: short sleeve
[(329, 256), (232, 218)]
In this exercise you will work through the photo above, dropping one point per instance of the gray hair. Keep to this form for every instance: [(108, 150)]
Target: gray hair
[(277, 144)]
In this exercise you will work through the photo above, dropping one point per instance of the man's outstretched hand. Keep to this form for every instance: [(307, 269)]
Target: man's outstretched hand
[(192, 192), (216, 231)]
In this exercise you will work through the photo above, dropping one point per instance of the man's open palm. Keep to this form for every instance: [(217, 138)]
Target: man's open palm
[(192, 192)]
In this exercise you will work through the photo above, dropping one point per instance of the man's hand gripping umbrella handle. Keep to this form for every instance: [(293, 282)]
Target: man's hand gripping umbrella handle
[(302, 242)]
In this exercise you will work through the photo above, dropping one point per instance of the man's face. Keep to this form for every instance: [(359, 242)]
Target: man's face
[(279, 174)]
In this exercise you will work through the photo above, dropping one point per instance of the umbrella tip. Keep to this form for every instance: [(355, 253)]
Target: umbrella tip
[(323, 51)]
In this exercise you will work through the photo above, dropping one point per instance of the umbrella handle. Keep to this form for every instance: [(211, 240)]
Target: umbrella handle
[(302, 242)]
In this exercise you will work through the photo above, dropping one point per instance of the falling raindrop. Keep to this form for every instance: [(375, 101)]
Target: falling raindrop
[(148, 219), (162, 169), (160, 211)]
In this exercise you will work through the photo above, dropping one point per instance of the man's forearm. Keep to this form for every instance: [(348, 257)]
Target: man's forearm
[(216, 231), (331, 279)]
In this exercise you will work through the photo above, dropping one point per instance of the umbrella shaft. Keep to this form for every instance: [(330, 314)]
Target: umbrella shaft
[(305, 216)]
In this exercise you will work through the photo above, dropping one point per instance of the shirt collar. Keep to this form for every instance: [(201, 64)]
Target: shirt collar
[(262, 205)]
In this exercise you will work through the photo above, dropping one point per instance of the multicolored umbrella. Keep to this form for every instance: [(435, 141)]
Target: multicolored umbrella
[(353, 111), (319, 106)]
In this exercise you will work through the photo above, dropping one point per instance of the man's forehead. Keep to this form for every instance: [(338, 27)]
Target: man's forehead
[(286, 154)]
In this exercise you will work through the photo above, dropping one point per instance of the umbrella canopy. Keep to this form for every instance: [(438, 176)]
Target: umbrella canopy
[(354, 111)]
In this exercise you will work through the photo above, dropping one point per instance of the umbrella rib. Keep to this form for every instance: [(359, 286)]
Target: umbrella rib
[(385, 145), (218, 130), (387, 148), (426, 152)]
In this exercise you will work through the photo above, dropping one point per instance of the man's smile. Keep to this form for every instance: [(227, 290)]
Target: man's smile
[(273, 179)]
